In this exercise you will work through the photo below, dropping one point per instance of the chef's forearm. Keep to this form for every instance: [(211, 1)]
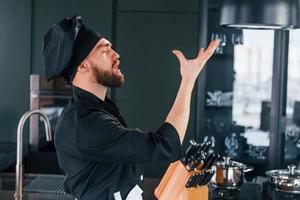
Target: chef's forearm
[(179, 114)]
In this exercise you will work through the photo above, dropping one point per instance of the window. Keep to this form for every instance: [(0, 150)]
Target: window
[(292, 144), (253, 62)]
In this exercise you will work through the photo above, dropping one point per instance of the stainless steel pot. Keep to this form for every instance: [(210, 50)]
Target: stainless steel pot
[(287, 180), (229, 174)]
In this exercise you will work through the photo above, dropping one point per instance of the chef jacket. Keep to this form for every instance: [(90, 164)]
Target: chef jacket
[(99, 154)]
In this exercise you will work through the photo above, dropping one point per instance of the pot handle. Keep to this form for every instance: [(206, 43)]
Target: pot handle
[(292, 169), (248, 168)]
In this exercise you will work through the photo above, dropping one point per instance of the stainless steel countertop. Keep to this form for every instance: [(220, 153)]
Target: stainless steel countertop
[(9, 195)]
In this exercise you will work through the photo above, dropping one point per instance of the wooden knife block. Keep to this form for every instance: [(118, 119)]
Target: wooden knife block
[(199, 193), (172, 185)]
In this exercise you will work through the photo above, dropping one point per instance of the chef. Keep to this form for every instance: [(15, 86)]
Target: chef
[(97, 152)]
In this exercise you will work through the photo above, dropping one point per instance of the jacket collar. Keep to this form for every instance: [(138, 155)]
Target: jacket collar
[(91, 101)]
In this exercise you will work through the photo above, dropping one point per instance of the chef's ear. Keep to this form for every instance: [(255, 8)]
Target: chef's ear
[(83, 67)]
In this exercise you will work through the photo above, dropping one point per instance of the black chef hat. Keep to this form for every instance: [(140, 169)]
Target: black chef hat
[(65, 46)]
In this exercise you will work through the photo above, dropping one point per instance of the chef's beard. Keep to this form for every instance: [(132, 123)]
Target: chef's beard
[(108, 78)]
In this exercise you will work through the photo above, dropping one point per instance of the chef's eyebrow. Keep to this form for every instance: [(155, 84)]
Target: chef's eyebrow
[(107, 44)]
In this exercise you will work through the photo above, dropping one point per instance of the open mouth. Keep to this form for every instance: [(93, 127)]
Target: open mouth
[(116, 65)]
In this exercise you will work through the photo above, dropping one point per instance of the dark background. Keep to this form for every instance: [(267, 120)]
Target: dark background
[(143, 32)]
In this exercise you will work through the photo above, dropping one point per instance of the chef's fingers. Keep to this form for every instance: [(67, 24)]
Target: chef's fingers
[(179, 55), (200, 52), (210, 50)]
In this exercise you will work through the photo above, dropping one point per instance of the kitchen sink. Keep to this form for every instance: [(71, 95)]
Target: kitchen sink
[(35, 186), (50, 187)]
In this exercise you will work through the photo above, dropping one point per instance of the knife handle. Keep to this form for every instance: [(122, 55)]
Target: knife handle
[(207, 146), (205, 176), (210, 161), (191, 181), (198, 160), (189, 152), (200, 178), (209, 177), (207, 161)]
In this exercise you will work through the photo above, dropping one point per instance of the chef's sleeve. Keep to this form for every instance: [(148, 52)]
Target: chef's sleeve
[(101, 137)]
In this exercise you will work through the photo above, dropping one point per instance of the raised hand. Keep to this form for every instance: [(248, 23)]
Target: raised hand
[(190, 69)]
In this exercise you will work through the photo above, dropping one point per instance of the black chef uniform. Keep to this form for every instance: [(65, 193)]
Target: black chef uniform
[(99, 154)]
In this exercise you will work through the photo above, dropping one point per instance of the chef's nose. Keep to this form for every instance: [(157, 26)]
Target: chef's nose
[(116, 55)]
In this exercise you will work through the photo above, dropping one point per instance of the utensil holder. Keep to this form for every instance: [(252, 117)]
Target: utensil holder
[(172, 185), (198, 193)]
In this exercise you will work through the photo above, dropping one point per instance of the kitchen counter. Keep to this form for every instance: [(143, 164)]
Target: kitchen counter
[(249, 191), (258, 190), (8, 195)]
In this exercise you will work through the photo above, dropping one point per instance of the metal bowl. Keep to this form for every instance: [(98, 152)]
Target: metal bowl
[(287, 180)]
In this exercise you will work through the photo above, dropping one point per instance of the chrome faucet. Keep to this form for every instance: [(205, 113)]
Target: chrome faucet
[(19, 164)]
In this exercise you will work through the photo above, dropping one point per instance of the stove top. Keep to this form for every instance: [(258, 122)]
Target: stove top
[(279, 195), (250, 191), (220, 193), (246, 192)]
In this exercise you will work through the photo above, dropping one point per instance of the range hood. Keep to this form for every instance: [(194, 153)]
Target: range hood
[(260, 14)]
